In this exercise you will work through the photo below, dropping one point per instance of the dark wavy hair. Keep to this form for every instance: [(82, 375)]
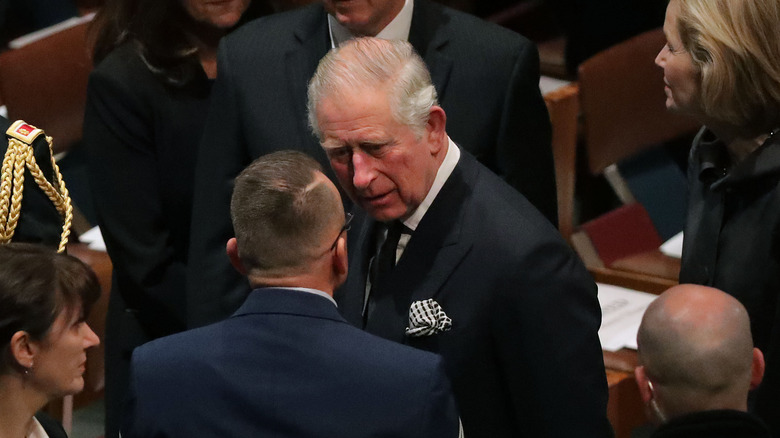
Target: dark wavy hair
[(36, 284), (158, 29)]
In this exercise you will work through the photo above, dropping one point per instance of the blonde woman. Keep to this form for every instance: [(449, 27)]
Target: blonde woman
[(721, 66)]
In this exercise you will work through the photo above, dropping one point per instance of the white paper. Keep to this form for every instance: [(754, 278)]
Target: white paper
[(548, 84), (673, 246), (621, 313), (48, 31), (94, 239)]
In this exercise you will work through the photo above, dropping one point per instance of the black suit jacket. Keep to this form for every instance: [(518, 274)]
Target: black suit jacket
[(523, 353), (286, 365), (487, 80)]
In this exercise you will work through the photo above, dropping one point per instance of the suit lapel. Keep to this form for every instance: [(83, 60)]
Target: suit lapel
[(434, 252), (300, 65), (429, 40), (361, 247)]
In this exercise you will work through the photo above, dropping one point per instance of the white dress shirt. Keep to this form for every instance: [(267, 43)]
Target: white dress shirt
[(36, 431), (445, 170), (312, 291)]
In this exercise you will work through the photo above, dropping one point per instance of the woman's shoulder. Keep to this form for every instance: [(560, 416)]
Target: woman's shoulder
[(125, 57), (123, 73), (123, 65)]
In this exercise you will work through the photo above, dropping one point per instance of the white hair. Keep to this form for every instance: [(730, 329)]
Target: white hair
[(371, 63)]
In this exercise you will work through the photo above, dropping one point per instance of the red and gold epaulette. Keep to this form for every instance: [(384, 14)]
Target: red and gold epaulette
[(23, 132)]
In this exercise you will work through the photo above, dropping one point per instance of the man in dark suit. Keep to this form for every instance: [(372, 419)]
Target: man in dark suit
[(468, 268), (487, 79), (697, 363), (286, 364)]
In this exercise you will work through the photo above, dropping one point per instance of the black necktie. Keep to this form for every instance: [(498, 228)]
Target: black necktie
[(385, 259), (383, 262)]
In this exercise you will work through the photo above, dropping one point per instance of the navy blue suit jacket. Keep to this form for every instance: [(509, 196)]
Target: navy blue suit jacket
[(286, 364), (523, 354), (487, 78)]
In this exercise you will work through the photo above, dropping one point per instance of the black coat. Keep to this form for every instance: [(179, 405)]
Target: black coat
[(732, 242), (487, 79), (523, 353), (714, 424), (141, 137)]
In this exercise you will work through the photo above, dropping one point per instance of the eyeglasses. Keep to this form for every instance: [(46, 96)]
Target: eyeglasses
[(346, 227)]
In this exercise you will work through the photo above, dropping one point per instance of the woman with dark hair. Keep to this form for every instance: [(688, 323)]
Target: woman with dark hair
[(45, 298), (721, 66), (146, 103)]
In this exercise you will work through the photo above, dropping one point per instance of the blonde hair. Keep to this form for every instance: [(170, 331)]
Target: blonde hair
[(735, 46)]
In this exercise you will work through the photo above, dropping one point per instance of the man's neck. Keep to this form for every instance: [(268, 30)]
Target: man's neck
[(396, 27)]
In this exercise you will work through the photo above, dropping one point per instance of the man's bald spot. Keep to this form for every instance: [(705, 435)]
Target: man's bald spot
[(696, 337)]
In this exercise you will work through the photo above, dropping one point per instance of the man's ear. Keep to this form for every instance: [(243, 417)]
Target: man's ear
[(643, 383), (436, 129), (23, 349), (340, 260), (757, 369), (235, 260)]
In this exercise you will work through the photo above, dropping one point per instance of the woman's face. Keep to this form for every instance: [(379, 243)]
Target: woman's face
[(60, 360), (222, 14), (681, 78)]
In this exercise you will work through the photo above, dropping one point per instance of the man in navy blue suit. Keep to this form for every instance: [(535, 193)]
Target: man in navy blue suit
[(286, 364), (467, 267)]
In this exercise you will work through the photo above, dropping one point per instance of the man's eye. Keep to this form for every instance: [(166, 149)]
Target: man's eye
[(375, 149), (339, 154)]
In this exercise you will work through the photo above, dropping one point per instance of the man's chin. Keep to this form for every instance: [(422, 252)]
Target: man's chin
[(382, 214)]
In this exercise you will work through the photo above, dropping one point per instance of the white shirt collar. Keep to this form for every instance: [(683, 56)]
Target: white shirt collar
[(36, 431), (445, 170), (398, 29), (313, 291)]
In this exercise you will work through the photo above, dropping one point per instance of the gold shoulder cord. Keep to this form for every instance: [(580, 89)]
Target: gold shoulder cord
[(18, 156)]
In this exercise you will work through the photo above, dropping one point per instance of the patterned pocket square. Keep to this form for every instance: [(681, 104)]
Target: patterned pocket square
[(427, 318)]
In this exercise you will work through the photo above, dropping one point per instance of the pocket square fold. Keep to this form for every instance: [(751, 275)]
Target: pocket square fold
[(427, 318)]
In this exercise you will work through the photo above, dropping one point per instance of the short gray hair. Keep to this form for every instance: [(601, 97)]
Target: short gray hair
[(370, 63), (281, 213)]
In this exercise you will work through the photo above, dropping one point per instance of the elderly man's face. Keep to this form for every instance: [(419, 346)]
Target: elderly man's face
[(364, 17), (381, 164)]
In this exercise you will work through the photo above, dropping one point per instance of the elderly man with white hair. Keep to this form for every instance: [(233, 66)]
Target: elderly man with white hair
[(447, 257)]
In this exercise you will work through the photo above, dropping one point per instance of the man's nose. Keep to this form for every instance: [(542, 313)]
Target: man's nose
[(363, 171)]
